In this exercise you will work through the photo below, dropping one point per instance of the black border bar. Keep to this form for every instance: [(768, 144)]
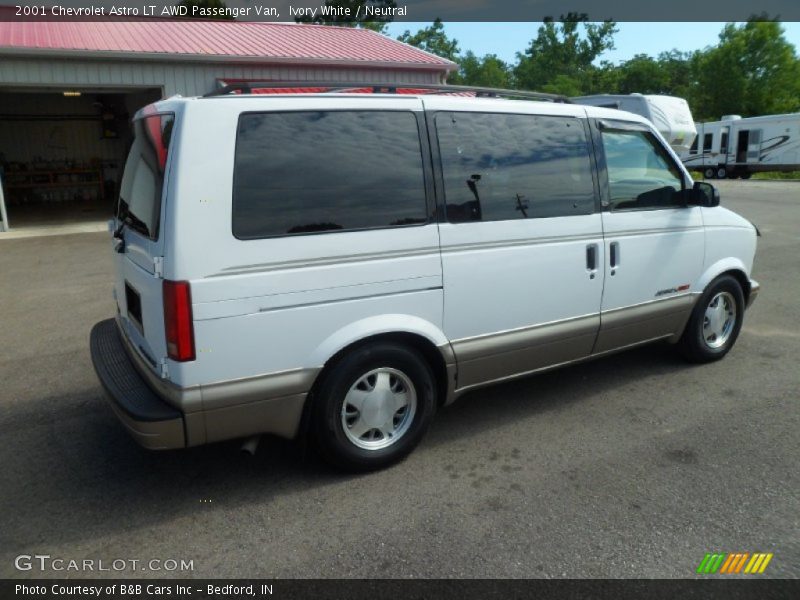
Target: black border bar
[(407, 589)]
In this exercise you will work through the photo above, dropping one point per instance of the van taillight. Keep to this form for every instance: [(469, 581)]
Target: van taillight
[(178, 320)]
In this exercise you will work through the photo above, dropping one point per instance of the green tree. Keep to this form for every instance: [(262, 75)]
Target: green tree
[(644, 75), (206, 4), (434, 40), (681, 72), (486, 71), (603, 79), (752, 71), (560, 58), (364, 22)]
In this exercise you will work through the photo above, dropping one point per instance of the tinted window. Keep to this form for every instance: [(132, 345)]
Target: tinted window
[(640, 172), (723, 142), (501, 166), (307, 172), (708, 140), (143, 180), (693, 149)]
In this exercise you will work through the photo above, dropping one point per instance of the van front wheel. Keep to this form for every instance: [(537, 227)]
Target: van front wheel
[(715, 322), (372, 407)]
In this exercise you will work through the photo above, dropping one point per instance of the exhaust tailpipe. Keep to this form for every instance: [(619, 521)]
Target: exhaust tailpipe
[(250, 445)]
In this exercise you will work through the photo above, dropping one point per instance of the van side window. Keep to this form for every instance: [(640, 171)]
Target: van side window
[(640, 172), (508, 166), (310, 172)]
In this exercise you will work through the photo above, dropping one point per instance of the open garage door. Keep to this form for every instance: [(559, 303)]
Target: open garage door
[(62, 153)]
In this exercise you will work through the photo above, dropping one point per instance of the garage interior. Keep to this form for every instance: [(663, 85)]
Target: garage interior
[(62, 152)]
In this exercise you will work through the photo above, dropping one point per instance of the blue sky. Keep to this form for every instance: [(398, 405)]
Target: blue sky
[(505, 39)]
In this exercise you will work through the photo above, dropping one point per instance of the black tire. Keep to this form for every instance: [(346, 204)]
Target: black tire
[(722, 173), (709, 173), (693, 342), (329, 395)]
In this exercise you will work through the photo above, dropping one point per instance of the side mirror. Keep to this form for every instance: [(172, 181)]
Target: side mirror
[(704, 194)]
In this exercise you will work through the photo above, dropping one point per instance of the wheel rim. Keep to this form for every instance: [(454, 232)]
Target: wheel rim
[(379, 408), (719, 319)]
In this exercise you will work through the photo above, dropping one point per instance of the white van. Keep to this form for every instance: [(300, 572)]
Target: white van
[(344, 264)]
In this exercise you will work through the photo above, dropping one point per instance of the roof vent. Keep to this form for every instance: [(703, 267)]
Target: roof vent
[(731, 117)]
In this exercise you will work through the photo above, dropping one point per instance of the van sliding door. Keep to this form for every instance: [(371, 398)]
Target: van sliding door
[(521, 240)]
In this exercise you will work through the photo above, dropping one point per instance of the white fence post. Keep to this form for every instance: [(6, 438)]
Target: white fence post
[(3, 213)]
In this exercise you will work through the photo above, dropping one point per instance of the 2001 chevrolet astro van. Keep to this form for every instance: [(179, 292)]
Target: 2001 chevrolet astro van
[(350, 262)]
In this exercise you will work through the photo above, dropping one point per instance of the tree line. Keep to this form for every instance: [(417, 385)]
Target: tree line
[(752, 70)]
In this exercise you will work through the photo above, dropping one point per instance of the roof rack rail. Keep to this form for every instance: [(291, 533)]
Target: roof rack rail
[(329, 87)]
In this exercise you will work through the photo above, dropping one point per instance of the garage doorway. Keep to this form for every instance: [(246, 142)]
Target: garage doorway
[(62, 153)]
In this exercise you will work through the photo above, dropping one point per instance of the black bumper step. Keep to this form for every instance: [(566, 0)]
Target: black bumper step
[(125, 387)]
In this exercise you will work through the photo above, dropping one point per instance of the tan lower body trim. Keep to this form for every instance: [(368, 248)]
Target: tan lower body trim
[(506, 355), (489, 358), (630, 325), (280, 416)]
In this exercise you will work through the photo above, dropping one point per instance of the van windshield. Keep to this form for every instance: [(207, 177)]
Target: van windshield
[(143, 181)]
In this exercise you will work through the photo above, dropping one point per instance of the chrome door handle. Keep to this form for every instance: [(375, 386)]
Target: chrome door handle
[(591, 260), (613, 253)]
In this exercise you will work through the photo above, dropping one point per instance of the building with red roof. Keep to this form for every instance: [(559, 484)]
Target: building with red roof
[(69, 88)]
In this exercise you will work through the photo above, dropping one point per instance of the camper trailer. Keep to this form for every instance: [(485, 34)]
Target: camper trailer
[(670, 115), (737, 147)]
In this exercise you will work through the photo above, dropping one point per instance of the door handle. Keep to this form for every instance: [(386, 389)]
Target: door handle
[(591, 260), (613, 253)]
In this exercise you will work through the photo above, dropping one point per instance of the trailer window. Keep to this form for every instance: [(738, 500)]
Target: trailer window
[(693, 149), (708, 140)]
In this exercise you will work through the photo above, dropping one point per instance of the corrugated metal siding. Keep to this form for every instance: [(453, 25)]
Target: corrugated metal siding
[(187, 79)]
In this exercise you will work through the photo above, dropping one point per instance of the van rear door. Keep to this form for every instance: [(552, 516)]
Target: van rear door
[(138, 287)]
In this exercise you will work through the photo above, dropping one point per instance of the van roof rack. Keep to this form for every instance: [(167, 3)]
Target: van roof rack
[(329, 87)]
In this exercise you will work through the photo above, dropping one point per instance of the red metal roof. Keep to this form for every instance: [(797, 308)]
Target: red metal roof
[(216, 40)]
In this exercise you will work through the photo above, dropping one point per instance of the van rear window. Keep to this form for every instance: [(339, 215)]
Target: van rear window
[(311, 172), (143, 180)]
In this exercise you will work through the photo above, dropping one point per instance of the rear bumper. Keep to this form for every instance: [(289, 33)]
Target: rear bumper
[(755, 287), (149, 419)]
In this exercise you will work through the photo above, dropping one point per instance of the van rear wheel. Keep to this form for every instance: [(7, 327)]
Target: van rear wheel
[(373, 406)]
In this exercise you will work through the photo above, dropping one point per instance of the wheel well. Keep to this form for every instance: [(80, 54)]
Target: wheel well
[(423, 345), (743, 280)]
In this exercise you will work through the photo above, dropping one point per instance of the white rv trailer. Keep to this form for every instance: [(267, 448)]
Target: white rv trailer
[(670, 115), (737, 147)]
